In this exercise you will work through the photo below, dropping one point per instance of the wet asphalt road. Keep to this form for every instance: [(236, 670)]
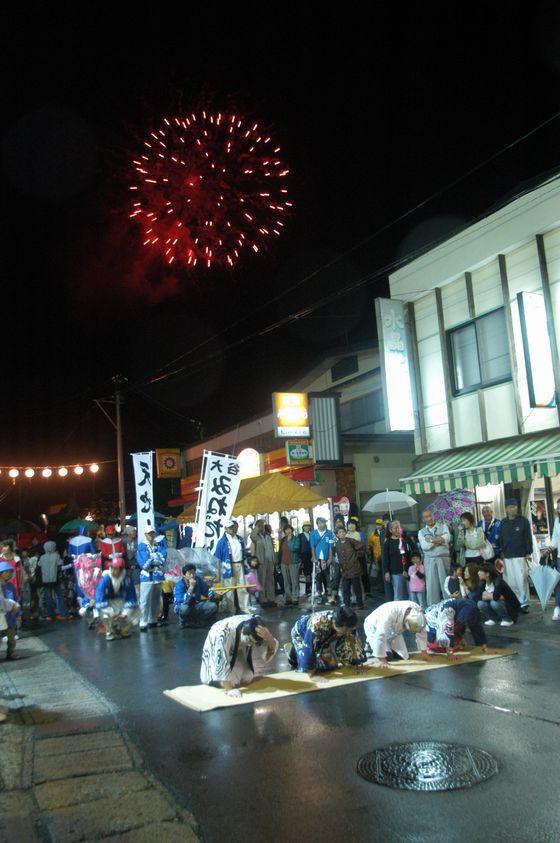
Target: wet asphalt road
[(286, 771)]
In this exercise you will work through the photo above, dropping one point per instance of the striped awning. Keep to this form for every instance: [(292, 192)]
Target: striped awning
[(522, 458)]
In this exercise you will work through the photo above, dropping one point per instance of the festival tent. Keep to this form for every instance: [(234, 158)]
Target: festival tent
[(268, 493)]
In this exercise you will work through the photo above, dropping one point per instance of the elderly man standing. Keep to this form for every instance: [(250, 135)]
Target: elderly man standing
[(516, 546), (434, 539), (151, 557), (262, 547), (231, 553)]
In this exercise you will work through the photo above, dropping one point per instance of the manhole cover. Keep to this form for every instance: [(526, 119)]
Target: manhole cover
[(427, 765)]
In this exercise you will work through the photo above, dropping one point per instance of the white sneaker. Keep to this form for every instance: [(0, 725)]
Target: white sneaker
[(490, 622), (506, 623), (556, 614)]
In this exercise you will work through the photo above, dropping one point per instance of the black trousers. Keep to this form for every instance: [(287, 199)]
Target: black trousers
[(356, 584)]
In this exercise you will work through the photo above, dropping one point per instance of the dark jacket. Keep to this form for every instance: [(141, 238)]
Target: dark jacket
[(502, 589), (348, 555), (391, 558), (516, 537)]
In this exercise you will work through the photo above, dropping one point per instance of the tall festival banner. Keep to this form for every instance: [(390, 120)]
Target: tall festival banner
[(143, 464), (219, 484)]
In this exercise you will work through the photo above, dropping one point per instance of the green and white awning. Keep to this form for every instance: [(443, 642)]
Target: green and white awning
[(522, 458)]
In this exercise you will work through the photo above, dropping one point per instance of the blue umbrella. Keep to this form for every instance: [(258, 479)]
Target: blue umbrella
[(545, 579)]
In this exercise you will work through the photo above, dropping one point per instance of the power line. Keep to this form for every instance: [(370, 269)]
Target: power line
[(382, 229), (306, 312)]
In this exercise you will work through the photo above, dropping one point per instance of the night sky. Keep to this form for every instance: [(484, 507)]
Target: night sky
[(375, 106)]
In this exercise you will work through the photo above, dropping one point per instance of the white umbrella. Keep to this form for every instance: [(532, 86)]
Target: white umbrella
[(389, 502), (545, 580)]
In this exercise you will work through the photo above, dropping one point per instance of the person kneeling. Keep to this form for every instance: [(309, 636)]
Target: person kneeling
[(385, 626), (116, 601), (192, 610), (234, 648), (321, 641)]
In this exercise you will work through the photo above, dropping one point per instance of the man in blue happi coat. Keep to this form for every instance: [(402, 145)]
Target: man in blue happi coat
[(193, 599), (116, 601)]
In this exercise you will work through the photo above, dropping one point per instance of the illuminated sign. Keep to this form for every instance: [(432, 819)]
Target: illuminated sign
[(298, 452), (536, 348), (291, 416), (168, 462), (249, 462), (395, 369)]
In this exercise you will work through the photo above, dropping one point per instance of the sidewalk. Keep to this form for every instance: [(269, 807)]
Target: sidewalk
[(68, 773)]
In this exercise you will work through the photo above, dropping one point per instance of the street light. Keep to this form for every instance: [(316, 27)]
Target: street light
[(13, 473), (94, 468)]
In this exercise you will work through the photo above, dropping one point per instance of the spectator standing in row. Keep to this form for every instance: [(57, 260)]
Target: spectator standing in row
[(491, 527), (322, 542), (417, 580), (356, 534), (50, 566), (395, 560), (516, 545), (305, 555), (434, 539), (348, 550), (288, 556), (151, 557), (231, 553), (262, 547), (471, 540)]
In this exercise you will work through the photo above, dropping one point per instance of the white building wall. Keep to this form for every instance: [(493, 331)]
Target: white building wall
[(511, 231)]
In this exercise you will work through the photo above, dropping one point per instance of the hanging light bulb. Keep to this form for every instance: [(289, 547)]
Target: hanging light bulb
[(78, 470), (62, 471), (94, 468), (30, 472), (46, 472), (13, 473)]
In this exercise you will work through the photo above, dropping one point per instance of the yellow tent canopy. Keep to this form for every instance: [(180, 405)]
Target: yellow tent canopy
[(268, 493)]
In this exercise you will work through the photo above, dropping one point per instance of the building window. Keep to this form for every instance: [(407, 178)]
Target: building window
[(360, 414), (479, 353), (344, 367)]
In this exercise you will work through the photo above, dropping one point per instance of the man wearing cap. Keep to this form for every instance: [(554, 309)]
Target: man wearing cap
[(109, 546), (262, 547), (231, 553), (115, 600), (385, 626), (516, 547), (9, 608), (151, 557)]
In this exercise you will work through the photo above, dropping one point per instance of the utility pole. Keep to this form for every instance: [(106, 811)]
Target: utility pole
[(118, 380)]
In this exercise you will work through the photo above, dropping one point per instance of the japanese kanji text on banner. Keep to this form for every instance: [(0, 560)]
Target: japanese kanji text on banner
[(144, 482), (219, 484)]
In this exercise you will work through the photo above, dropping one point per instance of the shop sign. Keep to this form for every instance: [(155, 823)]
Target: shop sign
[(395, 367), (299, 452), (168, 461), (291, 414), (341, 506)]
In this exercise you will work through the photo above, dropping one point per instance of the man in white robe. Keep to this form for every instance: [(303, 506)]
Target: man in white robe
[(385, 626), (234, 649)]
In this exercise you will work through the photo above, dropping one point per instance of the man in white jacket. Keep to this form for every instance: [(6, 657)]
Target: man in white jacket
[(434, 539), (385, 626)]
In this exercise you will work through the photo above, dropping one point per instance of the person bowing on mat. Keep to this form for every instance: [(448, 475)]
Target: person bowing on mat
[(234, 649)]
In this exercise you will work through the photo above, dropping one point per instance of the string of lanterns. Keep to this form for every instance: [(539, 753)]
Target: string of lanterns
[(46, 471)]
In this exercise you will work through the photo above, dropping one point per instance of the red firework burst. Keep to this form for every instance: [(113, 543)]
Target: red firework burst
[(208, 189)]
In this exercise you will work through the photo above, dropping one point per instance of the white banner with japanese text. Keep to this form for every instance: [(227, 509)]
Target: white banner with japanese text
[(143, 464), (219, 484)]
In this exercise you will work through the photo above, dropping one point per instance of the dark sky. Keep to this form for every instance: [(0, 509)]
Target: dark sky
[(376, 107)]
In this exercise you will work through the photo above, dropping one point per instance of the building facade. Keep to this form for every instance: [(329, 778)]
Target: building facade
[(484, 331)]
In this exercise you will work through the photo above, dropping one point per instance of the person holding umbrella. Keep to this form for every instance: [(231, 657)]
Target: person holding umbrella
[(555, 545)]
